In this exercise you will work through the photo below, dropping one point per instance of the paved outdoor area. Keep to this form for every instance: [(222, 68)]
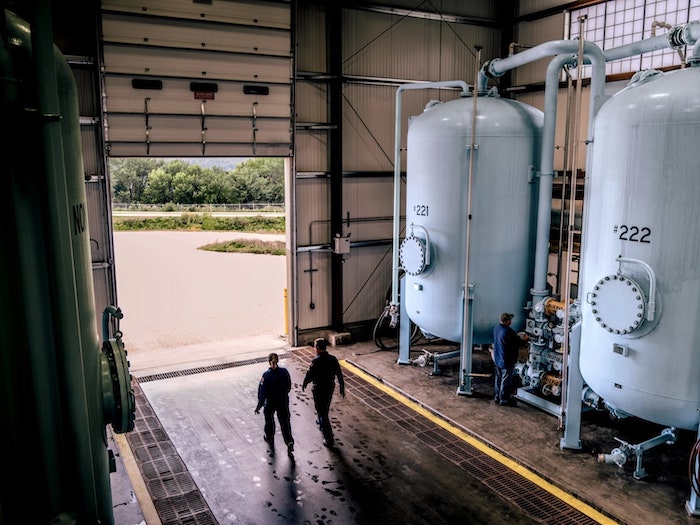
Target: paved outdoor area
[(174, 295), (184, 307)]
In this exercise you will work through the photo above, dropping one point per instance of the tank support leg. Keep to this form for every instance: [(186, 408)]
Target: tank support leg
[(465, 360), (404, 330), (574, 386), (668, 435)]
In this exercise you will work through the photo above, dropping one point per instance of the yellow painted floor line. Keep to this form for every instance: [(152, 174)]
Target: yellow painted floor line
[(138, 484), (504, 460)]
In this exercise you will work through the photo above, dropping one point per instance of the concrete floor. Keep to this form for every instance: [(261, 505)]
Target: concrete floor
[(409, 449)]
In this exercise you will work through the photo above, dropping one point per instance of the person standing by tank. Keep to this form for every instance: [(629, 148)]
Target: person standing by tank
[(322, 372), (506, 344), (273, 394)]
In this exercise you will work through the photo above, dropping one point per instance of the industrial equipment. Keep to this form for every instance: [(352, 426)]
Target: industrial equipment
[(499, 232), (628, 342), (639, 282), (60, 387)]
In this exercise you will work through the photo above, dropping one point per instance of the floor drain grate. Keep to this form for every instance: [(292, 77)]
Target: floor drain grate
[(173, 491), (203, 369)]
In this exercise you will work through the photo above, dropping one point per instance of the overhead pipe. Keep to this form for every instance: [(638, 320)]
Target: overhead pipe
[(394, 304), (687, 34), (565, 52)]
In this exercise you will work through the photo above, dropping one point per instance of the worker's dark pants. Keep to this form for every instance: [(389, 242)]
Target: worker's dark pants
[(322, 402), (503, 384), (282, 410)]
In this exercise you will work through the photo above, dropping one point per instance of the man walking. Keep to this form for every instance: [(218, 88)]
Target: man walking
[(273, 394), (323, 372)]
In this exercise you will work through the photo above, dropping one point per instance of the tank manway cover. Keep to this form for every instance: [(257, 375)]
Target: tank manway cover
[(617, 304), (413, 255)]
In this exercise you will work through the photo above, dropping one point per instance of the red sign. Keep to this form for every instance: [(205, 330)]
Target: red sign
[(203, 95)]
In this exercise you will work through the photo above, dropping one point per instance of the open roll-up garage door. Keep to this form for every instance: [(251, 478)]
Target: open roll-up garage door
[(197, 78)]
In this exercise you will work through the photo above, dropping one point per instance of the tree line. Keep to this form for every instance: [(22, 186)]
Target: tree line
[(156, 181)]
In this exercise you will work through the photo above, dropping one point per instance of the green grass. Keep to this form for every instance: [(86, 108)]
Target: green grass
[(247, 246), (198, 222)]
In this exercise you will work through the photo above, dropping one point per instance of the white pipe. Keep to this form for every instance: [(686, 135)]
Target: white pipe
[(499, 66), (467, 316), (397, 184), (687, 34), (570, 232), (565, 52)]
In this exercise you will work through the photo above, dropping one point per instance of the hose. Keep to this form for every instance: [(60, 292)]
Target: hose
[(378, 327), (382, 324)]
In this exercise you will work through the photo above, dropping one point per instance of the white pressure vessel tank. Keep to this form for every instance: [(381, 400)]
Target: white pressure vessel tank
[(640, 275), (501, 234)]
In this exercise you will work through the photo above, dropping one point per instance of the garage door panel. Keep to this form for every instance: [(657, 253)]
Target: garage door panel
[(222, 72), (185, 34), (255, 13), (189, 129), (196, 65), (177, 97), (177, 150)]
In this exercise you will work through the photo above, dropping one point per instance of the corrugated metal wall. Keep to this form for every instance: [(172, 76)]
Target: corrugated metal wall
[(380, 49), (530, 34), (528, 7)]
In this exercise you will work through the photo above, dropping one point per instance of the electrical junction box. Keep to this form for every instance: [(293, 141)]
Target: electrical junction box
[(342, 245)]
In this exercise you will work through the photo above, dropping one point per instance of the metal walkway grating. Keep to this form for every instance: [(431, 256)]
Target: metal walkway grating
[(174, 493), (521, 492), (202, 369)]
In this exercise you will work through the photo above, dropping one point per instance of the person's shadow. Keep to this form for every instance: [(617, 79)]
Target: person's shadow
[(286, 505)]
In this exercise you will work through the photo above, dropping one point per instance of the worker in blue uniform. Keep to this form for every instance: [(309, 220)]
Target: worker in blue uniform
[(323, 372), (273, 394), (506, 345)]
